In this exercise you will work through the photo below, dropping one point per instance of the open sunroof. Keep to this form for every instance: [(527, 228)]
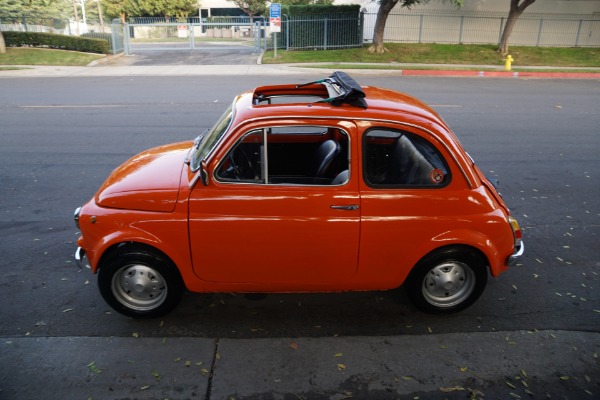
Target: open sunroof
[(337, 89)]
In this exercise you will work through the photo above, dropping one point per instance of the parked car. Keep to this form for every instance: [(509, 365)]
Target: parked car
[(319, 187)]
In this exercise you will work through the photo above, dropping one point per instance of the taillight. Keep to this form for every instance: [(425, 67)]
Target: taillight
[(516, 230)]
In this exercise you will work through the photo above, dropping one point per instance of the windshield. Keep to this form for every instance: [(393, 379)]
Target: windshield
[(210, 139)]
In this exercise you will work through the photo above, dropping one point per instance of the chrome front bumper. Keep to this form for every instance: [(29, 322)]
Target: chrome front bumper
[(512, 260), (79, 255)]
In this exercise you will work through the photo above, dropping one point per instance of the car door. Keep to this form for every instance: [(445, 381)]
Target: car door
[(266, 218)]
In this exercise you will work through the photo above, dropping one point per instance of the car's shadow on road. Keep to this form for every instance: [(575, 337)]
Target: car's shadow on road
[(305, 315)]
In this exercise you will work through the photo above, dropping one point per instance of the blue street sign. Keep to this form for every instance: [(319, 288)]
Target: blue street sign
[(275, 10)]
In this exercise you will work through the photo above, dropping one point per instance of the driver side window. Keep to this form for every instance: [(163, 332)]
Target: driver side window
[(290, 155), (245, 162)]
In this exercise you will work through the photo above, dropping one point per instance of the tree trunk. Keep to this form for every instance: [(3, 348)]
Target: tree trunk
[(515, 12), (382, 15), (100, 14), (2, 44), (76, 17)]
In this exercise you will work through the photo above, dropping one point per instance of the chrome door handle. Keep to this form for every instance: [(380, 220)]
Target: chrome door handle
[(351, 207)]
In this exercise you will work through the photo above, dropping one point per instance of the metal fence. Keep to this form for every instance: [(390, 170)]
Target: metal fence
[(486, 28), (316, 32), (323, 33), (151, 34)]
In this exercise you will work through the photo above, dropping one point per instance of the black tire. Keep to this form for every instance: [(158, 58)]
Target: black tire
[(447, 281), (140, 282)]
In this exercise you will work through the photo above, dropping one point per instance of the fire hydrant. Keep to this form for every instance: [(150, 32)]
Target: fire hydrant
[(508, 62)]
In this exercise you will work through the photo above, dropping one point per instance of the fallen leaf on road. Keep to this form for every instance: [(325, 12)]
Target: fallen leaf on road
[(452, 389), (92, 366), (156, 375), (523, 373)]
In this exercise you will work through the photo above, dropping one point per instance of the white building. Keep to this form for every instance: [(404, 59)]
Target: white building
[(556, 7)]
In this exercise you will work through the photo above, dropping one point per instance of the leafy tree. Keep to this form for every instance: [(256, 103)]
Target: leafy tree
[(119, 9), (40, 8), (251, 7), (149, 8), (516, 9), (167, 8), (305, 2), (385, 7)]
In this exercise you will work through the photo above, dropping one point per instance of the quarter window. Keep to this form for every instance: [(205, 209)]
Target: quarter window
[(395, 158), (291, 155)]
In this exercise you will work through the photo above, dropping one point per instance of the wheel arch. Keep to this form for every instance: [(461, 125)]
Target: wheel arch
[(113, 250), (451, 247), (475, 240)]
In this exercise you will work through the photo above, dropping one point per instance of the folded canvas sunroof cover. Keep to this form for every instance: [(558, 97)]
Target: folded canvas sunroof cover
[(341, 89)]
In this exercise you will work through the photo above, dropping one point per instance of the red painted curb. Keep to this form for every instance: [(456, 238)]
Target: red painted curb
[(502, 74)]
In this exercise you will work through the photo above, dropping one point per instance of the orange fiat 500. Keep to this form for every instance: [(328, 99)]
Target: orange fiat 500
[(318, 187)]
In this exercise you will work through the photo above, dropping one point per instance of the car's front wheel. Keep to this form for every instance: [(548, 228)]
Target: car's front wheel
[(447, 281), (140, 282)]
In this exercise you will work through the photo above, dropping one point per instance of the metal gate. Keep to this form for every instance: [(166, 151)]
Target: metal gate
[(231, 35)]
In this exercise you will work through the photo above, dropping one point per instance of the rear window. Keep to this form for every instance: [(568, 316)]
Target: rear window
[(396, 159)]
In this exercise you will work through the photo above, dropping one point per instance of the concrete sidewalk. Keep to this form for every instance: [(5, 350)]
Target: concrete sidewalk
[(497, 365), (286, 69)]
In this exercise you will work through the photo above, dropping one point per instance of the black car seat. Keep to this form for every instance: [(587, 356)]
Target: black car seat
[(324, 156)]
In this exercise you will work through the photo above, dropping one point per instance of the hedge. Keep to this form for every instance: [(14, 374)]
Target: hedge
[(50, 40), (321, 9), (100, 35)]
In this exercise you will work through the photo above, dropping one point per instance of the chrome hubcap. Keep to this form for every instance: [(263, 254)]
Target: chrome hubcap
[(139, 287), (448, 284)]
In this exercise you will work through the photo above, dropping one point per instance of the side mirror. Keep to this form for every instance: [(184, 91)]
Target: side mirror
[(204, 173), (204, 176)]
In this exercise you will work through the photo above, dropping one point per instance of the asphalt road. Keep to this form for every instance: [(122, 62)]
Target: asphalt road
[(60, 137)]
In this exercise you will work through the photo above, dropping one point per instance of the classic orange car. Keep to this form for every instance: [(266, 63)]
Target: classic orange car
[(318, 187)]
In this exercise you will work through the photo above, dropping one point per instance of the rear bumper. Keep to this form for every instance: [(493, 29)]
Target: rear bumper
[(79, 255), (512, 260)]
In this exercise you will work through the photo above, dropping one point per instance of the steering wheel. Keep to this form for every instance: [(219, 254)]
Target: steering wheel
[(242, 169)]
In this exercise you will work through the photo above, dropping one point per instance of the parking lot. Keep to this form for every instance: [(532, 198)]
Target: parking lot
[(209, 56)]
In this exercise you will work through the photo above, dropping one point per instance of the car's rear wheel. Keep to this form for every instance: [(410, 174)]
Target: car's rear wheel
[(140, 282), (447, 281)]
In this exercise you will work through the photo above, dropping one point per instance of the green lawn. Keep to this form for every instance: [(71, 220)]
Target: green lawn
[(398, 53), (31, 56), (445, 54)]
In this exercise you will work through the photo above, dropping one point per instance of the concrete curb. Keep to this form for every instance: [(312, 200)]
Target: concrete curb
[(105, 60), (103, 69), (459, 365), (503, 74)]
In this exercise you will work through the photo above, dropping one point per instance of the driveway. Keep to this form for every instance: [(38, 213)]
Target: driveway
[(187, 57)]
